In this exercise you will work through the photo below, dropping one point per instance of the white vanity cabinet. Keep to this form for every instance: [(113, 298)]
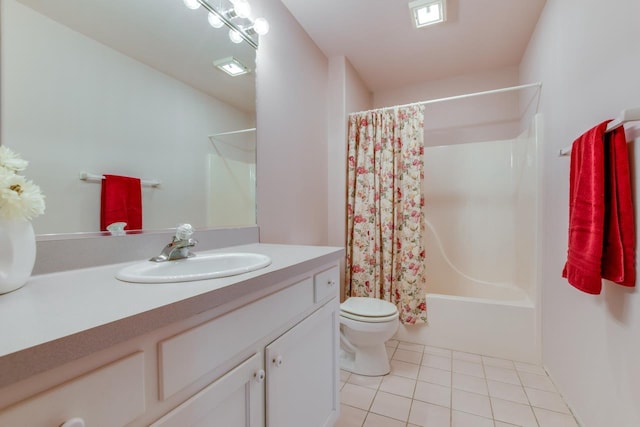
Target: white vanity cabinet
[(234, 400), (302, 372), (268, 358)]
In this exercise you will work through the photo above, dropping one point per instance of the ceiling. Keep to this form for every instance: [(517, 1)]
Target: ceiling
[(378, 37), (164, 35)]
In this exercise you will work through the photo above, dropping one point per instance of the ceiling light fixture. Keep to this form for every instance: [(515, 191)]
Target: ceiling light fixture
[(214, 20), (231, 66), (427, 12), (236, 17), (192, 4)]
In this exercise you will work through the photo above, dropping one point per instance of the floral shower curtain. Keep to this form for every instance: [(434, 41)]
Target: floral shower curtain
[(385, 219)]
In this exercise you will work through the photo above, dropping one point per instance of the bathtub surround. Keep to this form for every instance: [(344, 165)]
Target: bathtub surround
[(385, 218), (481, 248)]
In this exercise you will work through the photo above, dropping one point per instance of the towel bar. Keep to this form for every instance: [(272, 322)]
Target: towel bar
[(89, 177), (629, 115)]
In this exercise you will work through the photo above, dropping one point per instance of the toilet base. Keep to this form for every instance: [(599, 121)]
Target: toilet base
[(370, 361)]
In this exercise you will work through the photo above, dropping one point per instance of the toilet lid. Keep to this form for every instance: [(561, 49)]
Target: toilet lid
[(368, 307)]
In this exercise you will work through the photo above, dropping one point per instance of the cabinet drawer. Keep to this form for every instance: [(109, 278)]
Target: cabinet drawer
[(110, 396), (188, 356), (326, 284)]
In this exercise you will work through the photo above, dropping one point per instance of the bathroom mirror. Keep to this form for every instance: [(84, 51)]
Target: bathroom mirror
[(128, 88)]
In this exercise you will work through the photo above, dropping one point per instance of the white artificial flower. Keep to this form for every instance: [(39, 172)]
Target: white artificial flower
[(19, 198), (10, 160)]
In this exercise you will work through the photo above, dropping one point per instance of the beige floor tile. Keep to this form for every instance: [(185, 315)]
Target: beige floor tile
[(404, 369), (427, 415), (392, 343), (530, 367), (499, 363), (391, 405), (541, 382), (408, 356), (554, 419), (398, 385), (462, 419), (472, 403), (433, 393), (438, 351), (375, 420), (434, 375), (365, 381), (501, 374), (433, 361), (350, 417), (547, 400), (468, 368), (468, 357), (469, 383), (344, 375), (357, 396), (512, 412), (411, 347), (511, 392)]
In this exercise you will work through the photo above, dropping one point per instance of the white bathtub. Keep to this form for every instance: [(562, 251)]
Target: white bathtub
[(502, 325)]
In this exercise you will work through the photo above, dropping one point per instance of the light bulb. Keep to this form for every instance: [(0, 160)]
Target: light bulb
[(214, 20), (235, 36), (242, 8), (192, 4), (261, 26)]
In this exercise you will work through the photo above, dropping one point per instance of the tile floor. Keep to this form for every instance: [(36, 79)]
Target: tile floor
[(437, 387)]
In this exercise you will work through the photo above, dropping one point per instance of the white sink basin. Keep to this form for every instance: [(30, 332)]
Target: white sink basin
[(199, 267)]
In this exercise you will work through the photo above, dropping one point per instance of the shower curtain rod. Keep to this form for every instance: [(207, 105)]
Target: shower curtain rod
[(453, 98)]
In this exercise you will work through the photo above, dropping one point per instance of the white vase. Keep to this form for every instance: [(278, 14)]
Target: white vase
[(17, 253)]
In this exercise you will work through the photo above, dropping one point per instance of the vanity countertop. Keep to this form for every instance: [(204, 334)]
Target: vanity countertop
[(59, 317)]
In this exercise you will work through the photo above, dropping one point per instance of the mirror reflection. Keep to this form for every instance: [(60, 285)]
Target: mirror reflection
[(128, 88)]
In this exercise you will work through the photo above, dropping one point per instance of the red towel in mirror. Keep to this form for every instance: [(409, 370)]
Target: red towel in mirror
[(121, 201), (601, 219)]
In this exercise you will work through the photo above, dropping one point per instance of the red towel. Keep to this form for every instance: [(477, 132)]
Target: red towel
[(121, 202), (601, 228), (618, 258), (586, 211)]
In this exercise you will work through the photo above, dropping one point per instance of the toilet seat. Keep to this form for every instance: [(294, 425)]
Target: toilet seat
[(371, 310)]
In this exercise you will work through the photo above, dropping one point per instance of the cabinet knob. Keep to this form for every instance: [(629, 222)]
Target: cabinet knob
[(331, 282), (259, 375), (277, 361), (73, 422)]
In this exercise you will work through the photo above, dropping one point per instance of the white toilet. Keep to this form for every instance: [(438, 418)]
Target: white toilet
[(365, 325)]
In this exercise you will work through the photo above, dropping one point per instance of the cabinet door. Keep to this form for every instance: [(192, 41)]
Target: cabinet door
[(302, 372), (234, 400)]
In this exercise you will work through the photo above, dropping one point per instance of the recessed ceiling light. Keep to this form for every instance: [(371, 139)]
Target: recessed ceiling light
[(231, 66), (427, 12)]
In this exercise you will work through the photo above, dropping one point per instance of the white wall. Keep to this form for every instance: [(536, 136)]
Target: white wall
[(111, 114), (292, 77), (586, 54)]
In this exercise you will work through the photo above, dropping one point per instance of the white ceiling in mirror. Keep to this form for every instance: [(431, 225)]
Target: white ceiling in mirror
[(165, 35)]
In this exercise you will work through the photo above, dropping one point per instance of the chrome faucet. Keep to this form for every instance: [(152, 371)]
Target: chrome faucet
[(178, 248)]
